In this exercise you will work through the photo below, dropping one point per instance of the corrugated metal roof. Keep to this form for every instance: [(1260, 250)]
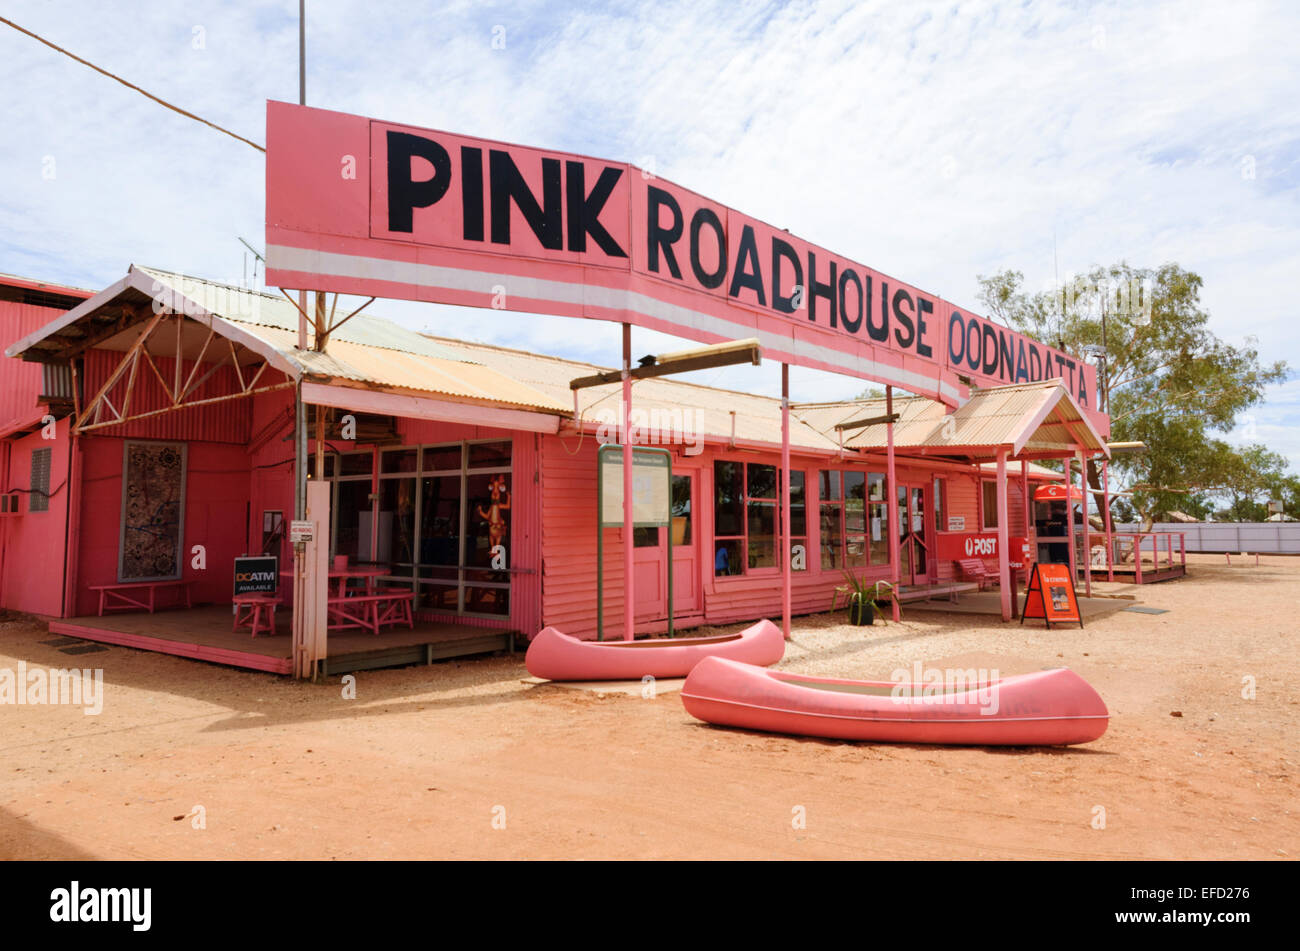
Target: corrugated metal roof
[(362, 363), (1013, 469), (757, 418), (998, 416), (366, 349), (274, 310), (991, 417), (917, 418), (47, 287)]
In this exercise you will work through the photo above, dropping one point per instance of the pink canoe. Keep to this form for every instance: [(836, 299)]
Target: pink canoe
[(1048, 708), (556, 656)]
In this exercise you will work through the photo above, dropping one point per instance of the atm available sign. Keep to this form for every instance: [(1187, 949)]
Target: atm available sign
[(360, 206), (256, 575)]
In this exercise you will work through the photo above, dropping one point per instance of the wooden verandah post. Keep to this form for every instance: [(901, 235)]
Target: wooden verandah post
[(892, 497), (785, 500), (1004, 556), (629, 602)]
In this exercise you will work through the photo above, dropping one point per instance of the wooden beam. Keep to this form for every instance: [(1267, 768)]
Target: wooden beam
[(203, 379), (177, 387), (868, 421), (130, 384), (156, 372), (260, 371), (198, 361), (172, 409), (239, 374), (334, 327), (702, 358), (121, 368), (77, 344)]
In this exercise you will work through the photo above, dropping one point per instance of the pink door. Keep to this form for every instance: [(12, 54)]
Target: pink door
[(650, 559), (913, 535)]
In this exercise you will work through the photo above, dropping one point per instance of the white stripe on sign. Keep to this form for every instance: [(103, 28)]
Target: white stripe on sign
[(361, 267)]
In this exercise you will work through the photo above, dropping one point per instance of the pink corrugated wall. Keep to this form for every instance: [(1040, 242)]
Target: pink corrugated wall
[(216, 496), (32, 572), (219, 422), (20, 383)]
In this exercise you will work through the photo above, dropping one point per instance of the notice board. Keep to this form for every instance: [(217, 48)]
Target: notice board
[(652, 471)]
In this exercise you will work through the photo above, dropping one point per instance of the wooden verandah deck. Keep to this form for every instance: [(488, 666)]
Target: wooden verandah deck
[(204, 633)]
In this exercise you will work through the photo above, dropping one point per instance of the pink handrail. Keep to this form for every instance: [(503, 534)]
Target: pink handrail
[(1159, 542)]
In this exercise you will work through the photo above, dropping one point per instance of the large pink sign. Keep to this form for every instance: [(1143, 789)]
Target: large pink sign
[(360, 206)]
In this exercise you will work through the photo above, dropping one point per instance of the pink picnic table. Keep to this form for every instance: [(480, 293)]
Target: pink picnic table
[(372, 615), (341, 575)]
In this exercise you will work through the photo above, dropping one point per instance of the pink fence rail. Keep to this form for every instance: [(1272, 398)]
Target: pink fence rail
[(1154, 551)]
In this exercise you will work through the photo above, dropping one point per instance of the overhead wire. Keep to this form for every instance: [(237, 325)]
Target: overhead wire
[(131, 85)]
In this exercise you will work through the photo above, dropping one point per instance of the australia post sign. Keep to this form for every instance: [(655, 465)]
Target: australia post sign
[(361, 206), (956, 546)]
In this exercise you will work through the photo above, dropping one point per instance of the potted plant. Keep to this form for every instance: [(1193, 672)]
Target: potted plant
[(863, 600)]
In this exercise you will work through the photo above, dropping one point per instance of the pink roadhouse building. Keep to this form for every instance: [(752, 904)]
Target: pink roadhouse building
[(149, 442)]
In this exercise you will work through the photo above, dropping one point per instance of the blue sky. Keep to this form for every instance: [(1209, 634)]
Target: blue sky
[(934, 141)]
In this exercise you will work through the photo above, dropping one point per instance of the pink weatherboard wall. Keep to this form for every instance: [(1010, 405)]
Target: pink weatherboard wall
[(216, 496), (568, 477), (33, 541)]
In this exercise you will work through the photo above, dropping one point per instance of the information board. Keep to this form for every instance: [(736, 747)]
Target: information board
[(1050, 595), (651, 487)]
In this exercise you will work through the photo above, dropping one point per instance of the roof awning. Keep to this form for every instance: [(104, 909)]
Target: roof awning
[(1038, 420)]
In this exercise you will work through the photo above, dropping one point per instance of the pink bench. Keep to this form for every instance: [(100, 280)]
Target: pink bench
[(974, 569), (136, 595), (370, 612), (256, 611)]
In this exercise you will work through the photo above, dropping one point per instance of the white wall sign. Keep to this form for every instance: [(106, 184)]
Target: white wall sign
[(651, 482)]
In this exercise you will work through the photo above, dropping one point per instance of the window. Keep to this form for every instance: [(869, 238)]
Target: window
[(728, 517), (443, 521), (760, 510), (853, 519), (40, 494), (989, 506), (877, 519), (940, 505), (798, 520), (830, 484), (681, 510), (746, 516), (272, 531), (352, 510)]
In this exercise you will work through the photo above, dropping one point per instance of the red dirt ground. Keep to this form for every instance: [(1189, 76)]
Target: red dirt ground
[(426, 758)]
